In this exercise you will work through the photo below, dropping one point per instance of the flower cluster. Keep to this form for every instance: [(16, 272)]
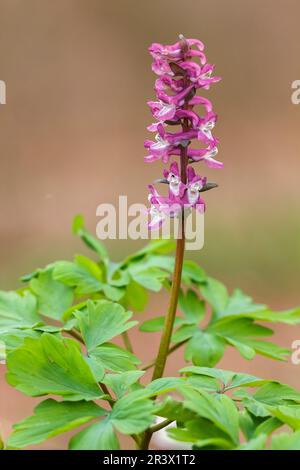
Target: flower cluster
[(181, 69)]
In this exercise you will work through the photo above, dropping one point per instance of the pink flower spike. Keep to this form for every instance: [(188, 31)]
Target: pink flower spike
[(182, 69)]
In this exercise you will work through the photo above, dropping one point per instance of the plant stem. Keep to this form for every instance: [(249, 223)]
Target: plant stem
[(164, 346), (106, 391), (76, 335), (159, 426), (169, 321), (127, 342)]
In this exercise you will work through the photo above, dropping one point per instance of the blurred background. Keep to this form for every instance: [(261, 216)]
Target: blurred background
[(78, 77)]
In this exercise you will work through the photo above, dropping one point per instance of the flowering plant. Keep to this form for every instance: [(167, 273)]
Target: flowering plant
[(60, 331)]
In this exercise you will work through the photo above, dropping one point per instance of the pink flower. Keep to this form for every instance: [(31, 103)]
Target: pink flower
[(205, 127), (180, 197), (194, 186), (162, 111), (161, 208), (207, 155), (177, 51), (176, 187), (161, 149)]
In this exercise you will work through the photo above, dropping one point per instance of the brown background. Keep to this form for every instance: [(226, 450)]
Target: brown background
[(78, 77)]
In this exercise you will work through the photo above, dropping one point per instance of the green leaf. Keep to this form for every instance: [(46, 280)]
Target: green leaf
[(253, 426), (184, 332), (155, 246), (216, 295), (96, 367), (84, 275), (157, 324), (255, 407), (204, 349), (90, 241), (241, 333), (163, 385), (50, 419), (285, 441), (192, 307), (53, 296), (98, 436), (102, 321), (239, 328), (120, 383), (17, 311), (151, 279), (112, 292), (239, 303), (245, 350), (219, 409), (272, 394), (268, 426), (257, 443), (192, 273), (204, 382), (165, 263), (132, 414), (51, 365), (228, 379), (222, 375), (114, 358), (14, 338), (269, 349), (203, 434), (287, 414), (68, 314), (174, 410), (117, 276), (136, 296)]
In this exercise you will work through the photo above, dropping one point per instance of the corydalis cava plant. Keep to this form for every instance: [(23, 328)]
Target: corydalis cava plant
[(60, 332), (182, 69)]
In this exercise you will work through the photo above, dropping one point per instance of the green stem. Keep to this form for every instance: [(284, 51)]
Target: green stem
[(127, 342), (164, 346), (159, 426), (170, 318), (105, 390)]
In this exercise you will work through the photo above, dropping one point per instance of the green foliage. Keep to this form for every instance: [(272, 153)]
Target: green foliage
[(101, 321), (51, 365), (98, 436), (103, 386), (53, 297), (114, 358), (121, 383), (50, 419), (17, 311)]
